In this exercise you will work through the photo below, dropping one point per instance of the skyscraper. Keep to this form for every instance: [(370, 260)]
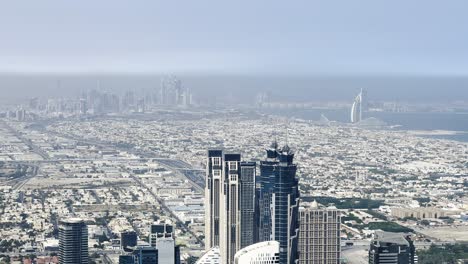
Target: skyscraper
[(359, 105), (213, 188), (230, 203), (278, 203), (73, 241), (391, 248), (162, 238), (260, 253), (319, 237), (247, 204), (229, 242)]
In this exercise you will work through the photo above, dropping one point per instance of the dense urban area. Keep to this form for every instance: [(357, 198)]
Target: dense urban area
[(122, 171)]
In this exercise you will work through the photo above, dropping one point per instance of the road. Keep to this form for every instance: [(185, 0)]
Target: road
[(195, 176), (26, 141), (165, 208)]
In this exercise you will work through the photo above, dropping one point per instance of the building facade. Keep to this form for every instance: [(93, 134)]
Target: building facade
[(229, 203), (421, 212), (128, 239), (73, 242), (391, 248), (278, 205), (146, 255), (162, 238), (319, 236), (213, 188), (247, 204)]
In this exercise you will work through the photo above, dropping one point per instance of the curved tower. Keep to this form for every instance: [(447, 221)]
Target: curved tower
[(356, 109), (211, 256), (260, 253)]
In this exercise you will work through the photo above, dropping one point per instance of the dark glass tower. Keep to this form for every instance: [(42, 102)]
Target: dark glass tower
[(278, 205), (391, 248), (128, 239), (247, 203), (73, 242)]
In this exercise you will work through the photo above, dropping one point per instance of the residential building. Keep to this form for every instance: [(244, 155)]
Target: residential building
[(319, 236), (73, 242)]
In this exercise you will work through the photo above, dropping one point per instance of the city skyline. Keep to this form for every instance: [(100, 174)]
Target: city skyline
[(246, 132)]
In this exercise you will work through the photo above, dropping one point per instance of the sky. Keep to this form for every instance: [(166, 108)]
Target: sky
[(326, 37)]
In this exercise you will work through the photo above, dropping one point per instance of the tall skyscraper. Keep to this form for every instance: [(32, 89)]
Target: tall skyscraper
[(359, 105), (213, 188), (73, 241), (278, 203), (391, 248), (230, 200), (260, 253), (162, 238), (230, 222), (247, 204), (319, 236)]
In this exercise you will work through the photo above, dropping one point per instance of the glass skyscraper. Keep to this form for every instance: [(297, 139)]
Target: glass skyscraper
[(278, 205)]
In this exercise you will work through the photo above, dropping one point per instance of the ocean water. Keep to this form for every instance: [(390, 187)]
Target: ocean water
[(424, 121)]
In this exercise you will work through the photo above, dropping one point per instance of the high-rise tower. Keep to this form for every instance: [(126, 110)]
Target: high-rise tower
[(391, 248), (278, 203), (230, 203), (247, 204), (319, 240), (73, 242), (359, 106), (213, 188)]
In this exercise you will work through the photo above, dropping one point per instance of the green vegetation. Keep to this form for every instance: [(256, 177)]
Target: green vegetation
[(443, 254), (351, 217), (423, 200), (377, 215), (345, 203), (389, 227), (9, 245)]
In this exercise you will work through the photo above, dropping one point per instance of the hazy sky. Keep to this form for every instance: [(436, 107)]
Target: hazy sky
[(291, 37)]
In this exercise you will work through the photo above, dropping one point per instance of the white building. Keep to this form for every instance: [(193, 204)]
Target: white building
[(261, 253), (212, 256)]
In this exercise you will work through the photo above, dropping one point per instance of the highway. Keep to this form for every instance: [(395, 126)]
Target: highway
[(165, 208)]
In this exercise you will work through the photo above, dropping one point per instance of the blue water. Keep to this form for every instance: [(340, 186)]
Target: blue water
[(449, 121)]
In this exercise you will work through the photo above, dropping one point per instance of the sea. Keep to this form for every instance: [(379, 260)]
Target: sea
[(440, 125)]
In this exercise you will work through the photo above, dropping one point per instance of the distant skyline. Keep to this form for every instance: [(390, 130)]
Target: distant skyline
[(421, 89), (362, 37)]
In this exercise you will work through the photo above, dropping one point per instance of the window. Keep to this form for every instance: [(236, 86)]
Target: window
[(233, 177), (216, 161), (232, 165), (217, 173)]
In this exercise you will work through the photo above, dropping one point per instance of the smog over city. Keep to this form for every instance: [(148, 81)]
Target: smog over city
[(196, 132)]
